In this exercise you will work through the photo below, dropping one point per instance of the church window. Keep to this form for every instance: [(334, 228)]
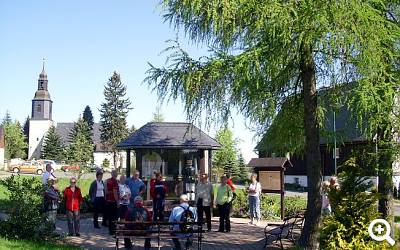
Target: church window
[(41, 85), (39, 108)]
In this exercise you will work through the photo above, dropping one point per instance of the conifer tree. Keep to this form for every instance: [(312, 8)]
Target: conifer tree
[(52, 146), (113, 113), (243, 169), (80, 151), (226, 157), (88, 117), (157, 115), (26, 133), (7, 118)]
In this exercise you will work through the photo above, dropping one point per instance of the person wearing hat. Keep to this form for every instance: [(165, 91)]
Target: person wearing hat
[(176, 215), (51, 200), (137, 213), (204, 199), (96, 194)]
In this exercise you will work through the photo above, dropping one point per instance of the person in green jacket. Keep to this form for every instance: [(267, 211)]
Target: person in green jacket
[(224, 197)]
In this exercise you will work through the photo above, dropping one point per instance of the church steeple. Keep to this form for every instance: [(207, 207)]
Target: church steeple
[(42, 103)]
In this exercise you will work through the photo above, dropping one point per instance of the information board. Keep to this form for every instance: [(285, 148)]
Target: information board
[(270, 180)]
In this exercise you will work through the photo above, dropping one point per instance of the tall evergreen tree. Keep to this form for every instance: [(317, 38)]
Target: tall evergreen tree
[(88, 117), (52, 145), (15, 145), (80, 151), (265, 52), (113, 114), (7, 118), (157, 115), (26, 133), (243, 168), (226, 158)]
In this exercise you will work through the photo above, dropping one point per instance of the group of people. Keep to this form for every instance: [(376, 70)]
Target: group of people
[(122, 199), (72, 199)]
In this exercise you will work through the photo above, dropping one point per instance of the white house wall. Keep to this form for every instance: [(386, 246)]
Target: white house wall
[(99, 157), (37, 132)]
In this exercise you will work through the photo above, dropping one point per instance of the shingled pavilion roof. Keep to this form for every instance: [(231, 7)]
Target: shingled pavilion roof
[(270, 162), (169, 135)]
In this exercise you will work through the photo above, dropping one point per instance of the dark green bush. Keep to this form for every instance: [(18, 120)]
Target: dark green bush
[(26, 219), (353, 210)]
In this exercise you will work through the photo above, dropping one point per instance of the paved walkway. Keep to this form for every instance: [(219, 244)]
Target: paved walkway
[(242, 237)]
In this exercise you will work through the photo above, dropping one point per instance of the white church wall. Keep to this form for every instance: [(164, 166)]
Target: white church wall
[(99, 157), (37, 132)]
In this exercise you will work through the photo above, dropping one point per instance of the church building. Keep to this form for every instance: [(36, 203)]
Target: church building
[(41, 120)]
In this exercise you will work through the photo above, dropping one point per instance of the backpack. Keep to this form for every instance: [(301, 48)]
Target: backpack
[(187, 216)]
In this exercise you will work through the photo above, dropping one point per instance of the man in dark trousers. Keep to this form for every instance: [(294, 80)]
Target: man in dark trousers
[(158, 191), (112, 204)]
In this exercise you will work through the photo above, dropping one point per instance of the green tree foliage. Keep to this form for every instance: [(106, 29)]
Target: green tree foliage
[(26, 133), (88, 117), (105, 163), (264, 52), (225, 159), (244, 172), (132, 129), (53, 146), (113, 114), (80, 151), (6, 119), (157, 115), (353, 210), (15, 144)]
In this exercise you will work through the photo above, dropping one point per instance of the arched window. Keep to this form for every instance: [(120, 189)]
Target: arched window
[(39, 108)]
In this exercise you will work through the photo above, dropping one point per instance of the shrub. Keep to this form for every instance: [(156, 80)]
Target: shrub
[(26, 218), (353, 210), (270, 205)]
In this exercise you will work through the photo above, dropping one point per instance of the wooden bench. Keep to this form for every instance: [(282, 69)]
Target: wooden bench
[(277, 231), (158, 231)]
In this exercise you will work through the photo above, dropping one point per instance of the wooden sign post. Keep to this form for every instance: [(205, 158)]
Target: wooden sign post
[(270, 172)]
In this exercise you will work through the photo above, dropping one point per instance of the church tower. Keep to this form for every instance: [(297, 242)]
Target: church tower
[(41, 103), (41, 116)]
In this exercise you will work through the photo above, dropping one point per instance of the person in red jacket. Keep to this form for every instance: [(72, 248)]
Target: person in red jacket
[(73, 200)]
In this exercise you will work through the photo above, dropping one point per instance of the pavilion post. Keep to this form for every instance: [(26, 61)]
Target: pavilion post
[(128, 163)]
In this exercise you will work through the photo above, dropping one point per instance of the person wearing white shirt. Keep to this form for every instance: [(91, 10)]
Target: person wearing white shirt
[(96, 194), (254, 191), (47, 174), (124, 196)]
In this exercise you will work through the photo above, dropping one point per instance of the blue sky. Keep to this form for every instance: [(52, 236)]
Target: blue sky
[(83, 43)]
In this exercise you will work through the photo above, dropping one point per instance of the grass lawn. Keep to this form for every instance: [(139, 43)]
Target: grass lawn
[(24, 244)]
